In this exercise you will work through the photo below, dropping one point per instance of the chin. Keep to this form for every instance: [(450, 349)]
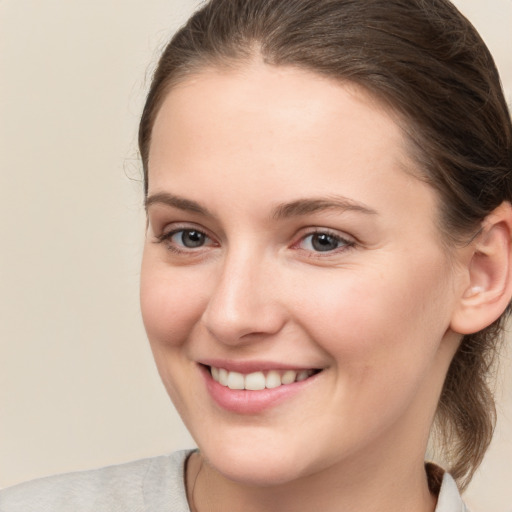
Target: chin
[(261, 473), (255, 465)]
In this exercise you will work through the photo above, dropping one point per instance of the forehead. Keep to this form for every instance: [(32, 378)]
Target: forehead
[(263, 92), (247, 102), (263, 126)]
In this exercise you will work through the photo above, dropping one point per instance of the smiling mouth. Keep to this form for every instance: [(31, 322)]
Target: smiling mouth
[(258, 381)]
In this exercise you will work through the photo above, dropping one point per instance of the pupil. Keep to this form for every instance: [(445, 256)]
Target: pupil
[(323, 242), (192, 238)]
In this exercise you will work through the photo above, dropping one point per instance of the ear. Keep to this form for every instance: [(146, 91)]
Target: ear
[(488, 289)]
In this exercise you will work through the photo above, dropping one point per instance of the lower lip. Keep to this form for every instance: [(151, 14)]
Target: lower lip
[(242, 401)]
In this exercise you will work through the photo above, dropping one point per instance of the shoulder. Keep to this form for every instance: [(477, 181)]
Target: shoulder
[(147, 484)]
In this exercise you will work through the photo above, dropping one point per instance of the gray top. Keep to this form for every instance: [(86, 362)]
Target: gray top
[(148, 485)]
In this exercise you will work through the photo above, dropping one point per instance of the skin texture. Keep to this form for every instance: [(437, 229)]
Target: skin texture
[(374, 314)]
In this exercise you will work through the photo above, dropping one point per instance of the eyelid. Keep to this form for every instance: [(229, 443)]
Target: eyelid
[(172, 227)]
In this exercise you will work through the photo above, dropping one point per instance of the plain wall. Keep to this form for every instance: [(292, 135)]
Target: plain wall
[(78, 387)]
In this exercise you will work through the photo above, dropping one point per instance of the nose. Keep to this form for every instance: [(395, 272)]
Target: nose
[(243, 305)]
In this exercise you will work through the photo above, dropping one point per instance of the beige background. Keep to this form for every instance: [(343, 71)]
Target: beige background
[(78, 388)]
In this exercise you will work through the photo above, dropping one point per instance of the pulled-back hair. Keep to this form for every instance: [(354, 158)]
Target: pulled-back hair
[(425, 61)]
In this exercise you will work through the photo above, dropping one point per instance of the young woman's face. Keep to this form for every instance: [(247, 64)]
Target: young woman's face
[(288, 247)]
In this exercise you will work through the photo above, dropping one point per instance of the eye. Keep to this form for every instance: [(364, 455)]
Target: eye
[(321, 241), (184, 239), (189, 238)]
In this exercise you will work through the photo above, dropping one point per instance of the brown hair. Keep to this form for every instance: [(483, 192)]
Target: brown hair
[(426, 61)]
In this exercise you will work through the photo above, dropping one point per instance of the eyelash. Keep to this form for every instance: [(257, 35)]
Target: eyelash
[(344, 243)]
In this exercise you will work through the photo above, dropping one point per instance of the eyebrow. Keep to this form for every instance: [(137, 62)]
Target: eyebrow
[(314, 205), (176, 202), (282, 211)]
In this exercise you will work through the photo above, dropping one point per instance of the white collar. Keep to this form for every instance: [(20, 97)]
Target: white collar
[(449, 498)]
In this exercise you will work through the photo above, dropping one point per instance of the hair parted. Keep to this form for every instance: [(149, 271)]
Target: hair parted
[(426, 61)]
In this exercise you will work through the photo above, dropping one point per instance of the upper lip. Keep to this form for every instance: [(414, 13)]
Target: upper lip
[(246, 367)]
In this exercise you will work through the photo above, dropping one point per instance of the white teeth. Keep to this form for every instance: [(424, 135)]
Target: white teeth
[(258, 381), (273, 380), (255, 381), (223, 377), (236, 380), (288, 377)]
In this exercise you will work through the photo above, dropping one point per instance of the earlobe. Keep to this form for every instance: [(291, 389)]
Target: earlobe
[(488, 289)]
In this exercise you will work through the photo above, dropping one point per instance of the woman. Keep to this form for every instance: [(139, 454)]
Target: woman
[(327, 260)]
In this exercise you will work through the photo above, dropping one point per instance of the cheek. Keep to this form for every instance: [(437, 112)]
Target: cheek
[(378, 326), (383, 343), (171, 302)]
